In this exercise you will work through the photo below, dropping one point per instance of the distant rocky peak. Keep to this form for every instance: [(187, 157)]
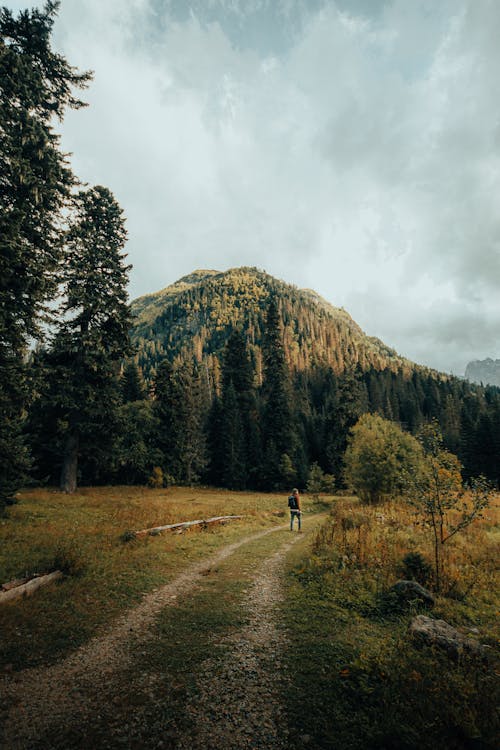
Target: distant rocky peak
[(486, 371)]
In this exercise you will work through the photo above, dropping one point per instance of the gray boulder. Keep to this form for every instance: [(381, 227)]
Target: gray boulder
[(429, 632), (406, 592)]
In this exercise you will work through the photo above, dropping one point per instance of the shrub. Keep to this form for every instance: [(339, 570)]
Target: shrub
[(415, 567), (156, 480)]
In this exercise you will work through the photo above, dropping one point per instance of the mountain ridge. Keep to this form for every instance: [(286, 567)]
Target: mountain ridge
[(195, 315)]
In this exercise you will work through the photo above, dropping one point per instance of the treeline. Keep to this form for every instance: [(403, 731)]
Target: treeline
[(58, 241), (261, 430)]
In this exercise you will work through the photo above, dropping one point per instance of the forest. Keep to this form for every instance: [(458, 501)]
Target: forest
[(226, 379)]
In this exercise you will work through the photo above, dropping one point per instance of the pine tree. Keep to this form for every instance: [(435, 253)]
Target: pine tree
[(179, 407), (238, 376), (278, 431), (35, 181), (93, 336), (132, 384)]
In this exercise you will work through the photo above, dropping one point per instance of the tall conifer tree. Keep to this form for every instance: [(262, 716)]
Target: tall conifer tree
[(93, 336), (35, 179), (278, 432)]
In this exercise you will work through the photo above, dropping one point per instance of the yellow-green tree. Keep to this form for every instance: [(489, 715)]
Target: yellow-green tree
[(438, 494), (379, 453)]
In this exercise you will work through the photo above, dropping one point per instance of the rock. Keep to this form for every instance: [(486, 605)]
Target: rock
[(411, 591), (427, 631)]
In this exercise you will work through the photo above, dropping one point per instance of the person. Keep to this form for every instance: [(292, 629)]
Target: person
[(294, 505)]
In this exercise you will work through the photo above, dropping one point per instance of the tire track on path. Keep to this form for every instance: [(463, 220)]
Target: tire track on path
[(34, 700), (238, 703)]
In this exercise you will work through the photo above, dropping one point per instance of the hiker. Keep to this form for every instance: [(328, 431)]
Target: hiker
[(294, 505)]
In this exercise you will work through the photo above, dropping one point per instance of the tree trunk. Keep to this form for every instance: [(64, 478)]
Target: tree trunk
[(70, 463)]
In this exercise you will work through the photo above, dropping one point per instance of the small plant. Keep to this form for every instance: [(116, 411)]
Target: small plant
[(156, 480), (128, 536), (68, 560), (415, 567)]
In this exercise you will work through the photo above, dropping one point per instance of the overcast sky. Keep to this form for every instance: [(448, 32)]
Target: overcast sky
[(349, 146)]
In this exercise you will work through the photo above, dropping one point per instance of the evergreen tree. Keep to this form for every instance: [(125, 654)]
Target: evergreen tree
[(278, 432), (35, 181), (241, 410), (231, 439), (132, 384), (165, 395), (93, 336), (215, 449), (180, 407), (346, 406), (136, 453)]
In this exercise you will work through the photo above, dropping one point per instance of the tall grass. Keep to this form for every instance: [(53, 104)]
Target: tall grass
[(358, 678)]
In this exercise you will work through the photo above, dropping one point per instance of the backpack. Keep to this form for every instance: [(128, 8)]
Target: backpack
[(292, 502)]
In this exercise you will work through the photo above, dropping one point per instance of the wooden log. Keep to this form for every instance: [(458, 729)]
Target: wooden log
[(185, 525), (16, 582), (27, 589)]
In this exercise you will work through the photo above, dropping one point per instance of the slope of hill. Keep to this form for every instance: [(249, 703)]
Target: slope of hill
[(195, 316)]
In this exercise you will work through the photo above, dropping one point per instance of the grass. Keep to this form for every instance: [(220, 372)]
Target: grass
[(82, 533), (358, 679)]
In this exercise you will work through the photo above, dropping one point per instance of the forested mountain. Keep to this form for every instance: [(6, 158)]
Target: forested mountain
[(195, 316), (268, 379)]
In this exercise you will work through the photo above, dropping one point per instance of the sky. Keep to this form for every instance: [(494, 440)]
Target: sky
[(348, 146)]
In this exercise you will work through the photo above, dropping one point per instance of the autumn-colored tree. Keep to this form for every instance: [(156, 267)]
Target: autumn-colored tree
[(439, 496)]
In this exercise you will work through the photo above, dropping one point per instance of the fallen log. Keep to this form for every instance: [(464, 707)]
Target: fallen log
[(184, 525), (28, 588)]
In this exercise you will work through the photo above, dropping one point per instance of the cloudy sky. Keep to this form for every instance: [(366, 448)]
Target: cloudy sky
[(349, 146)]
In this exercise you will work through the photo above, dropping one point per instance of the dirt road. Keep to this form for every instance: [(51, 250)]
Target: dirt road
[(235, 705)]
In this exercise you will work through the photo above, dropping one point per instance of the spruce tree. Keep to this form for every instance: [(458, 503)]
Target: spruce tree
[(240, 409), (179, 408), (132, 383), (35, 181), (279, 436), (93, 336)]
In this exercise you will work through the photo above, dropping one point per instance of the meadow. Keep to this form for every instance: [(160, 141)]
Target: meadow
[(82, 534), (354, 677)]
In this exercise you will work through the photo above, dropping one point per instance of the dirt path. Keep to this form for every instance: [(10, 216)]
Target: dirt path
[(238, 704), (67, 693)]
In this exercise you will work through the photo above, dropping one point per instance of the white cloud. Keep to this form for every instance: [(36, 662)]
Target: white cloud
[(355, 153)]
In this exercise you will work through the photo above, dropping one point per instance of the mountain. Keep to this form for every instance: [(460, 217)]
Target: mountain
[(486, 371), (195, 316)]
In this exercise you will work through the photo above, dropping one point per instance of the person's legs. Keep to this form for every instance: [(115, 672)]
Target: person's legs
[(291, 520), (299, 519)]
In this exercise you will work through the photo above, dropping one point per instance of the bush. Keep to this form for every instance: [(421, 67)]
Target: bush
[(156, 480), (415, 567), (69, 560)]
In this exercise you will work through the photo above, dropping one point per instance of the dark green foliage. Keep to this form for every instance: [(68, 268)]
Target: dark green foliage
[(135, 452), (82, 391), (415, 567), (238, 440), (35, 180), (179, 408), (278, 428), (132, 383)]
